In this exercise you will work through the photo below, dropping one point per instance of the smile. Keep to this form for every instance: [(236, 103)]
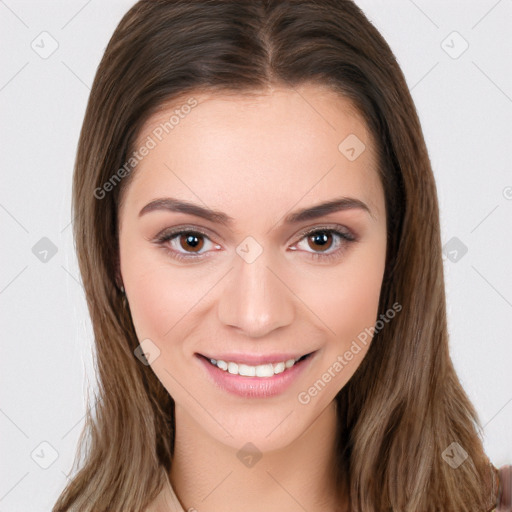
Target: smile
[(260, 381), (261, 370)]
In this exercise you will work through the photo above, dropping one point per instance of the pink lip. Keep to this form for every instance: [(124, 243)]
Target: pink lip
[(255, 387), (254, 359)]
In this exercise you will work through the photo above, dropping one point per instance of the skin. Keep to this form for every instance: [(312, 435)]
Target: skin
[(256, 159)]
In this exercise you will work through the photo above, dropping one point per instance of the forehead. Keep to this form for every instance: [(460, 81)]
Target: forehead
[(275, 147)]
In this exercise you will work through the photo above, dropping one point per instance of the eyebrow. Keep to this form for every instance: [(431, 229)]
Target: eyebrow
[(218, 217)]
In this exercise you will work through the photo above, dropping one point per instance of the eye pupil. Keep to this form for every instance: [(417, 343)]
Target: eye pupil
[(320, 238)]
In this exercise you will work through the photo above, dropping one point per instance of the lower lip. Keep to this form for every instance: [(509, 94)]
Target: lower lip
[(255, 387)]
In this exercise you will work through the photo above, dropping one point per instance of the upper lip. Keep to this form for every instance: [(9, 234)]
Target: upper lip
[(255, 359)]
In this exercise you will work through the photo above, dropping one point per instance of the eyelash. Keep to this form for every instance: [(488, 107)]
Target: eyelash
[(168, 235)]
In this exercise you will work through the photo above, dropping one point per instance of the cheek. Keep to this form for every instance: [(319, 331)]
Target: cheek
[(155, 299), (347, 305), (152, 313), (346, 298), (159, 300)]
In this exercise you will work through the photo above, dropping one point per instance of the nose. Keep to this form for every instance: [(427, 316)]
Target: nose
[(256, 299)]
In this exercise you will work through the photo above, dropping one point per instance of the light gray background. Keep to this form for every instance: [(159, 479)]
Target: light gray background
[(465, 107)]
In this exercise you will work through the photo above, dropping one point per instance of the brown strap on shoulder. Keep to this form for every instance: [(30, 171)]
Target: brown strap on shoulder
[(505, 489)]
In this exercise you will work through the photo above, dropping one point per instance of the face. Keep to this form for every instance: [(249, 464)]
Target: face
[(265, 276)]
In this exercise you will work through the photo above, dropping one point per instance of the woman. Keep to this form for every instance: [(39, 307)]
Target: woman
[(257, 228)]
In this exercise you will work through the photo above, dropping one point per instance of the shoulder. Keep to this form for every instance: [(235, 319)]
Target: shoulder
[(505, 489)]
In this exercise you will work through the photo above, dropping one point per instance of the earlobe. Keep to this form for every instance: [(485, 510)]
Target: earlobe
[(119, 279), (119, 283)]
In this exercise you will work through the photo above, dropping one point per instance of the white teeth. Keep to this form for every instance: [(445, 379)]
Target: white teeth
[(262, 370), (246, 370), (279, 367)]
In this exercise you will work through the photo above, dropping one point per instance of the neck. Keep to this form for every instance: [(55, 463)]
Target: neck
[(208, 475)]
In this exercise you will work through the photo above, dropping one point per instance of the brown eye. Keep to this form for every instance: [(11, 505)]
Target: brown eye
[(190, 240), (320, 241), (325, 244), (185, 244)]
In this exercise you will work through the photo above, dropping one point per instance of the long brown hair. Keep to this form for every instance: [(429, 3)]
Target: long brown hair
[(404, 406)]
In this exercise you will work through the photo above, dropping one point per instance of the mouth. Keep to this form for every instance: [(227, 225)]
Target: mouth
[(259, 381), (266, 369)]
